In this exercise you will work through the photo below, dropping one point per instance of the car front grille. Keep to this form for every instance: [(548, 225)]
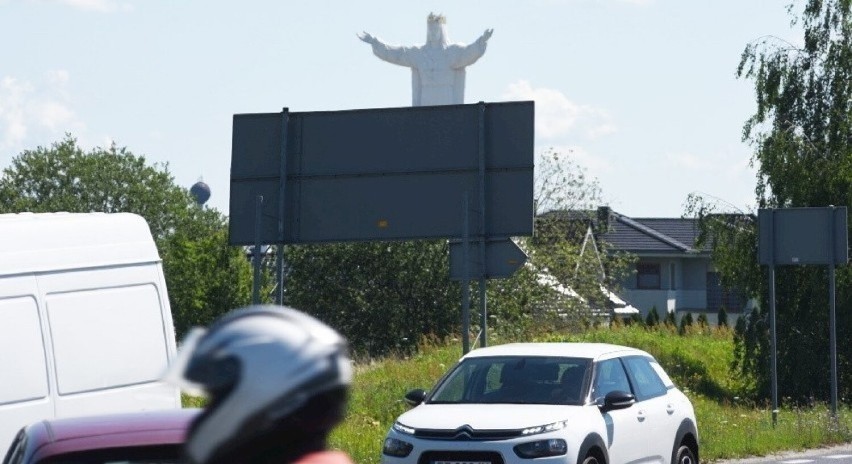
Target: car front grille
[(466, 434), (430, 457)]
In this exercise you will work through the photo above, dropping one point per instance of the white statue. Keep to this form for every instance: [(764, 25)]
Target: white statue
[(437, 68)]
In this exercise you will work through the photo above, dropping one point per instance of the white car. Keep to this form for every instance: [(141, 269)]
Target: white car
[(564, 403)]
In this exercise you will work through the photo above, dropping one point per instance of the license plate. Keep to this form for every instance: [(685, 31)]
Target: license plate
[(461, 462)]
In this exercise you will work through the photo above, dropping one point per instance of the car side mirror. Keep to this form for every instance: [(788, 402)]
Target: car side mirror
[(415, 397), (617, 400)]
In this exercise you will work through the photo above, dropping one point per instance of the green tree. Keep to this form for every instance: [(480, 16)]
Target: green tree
[(383, 296), (802, 143), (65, 178), (204, 276)]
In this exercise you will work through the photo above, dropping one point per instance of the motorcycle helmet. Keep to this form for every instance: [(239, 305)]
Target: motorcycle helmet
[(266, 370)]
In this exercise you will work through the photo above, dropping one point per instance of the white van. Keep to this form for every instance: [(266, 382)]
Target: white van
[(85, 323)]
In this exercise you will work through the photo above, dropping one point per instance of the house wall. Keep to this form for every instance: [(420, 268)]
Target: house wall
[(676, 273), (683, 286), (695, 273)]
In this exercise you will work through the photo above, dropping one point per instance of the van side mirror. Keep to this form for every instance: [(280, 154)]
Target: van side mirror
[(617, 400), (415, 397)]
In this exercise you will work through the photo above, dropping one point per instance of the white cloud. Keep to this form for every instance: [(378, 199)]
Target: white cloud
[(101, 6), (58, 77), (638, 2), (13, 93), (728, 166), (30, 112), (690, 161), (595, 166), (557, 116), (54, 115)]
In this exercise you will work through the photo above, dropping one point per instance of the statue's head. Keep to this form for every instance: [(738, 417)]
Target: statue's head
[(436, 33)]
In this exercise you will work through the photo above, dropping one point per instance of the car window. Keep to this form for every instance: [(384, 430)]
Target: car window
[(456, 385), (514, 379), (159, 454), (648, 384), (667, 381), (609, 377)]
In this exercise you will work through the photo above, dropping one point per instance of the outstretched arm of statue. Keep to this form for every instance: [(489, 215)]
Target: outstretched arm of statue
[(485, 36), (366, 37), (468, 54), (390, 53)]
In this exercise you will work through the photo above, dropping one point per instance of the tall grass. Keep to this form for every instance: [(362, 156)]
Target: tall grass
[(699, 362)]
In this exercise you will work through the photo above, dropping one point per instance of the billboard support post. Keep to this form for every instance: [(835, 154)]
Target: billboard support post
[(832, 321), (773, 332), (256, 253), (483, 302), (282, 192), (465, 280)]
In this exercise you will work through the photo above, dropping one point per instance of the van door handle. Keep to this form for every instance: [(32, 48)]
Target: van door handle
[(670, 409), (640, 416)]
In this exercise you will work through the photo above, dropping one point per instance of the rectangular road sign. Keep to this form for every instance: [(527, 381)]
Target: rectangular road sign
[(383, 174), (502, 259), (794, 236)]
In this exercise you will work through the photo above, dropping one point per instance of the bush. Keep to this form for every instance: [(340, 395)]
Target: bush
[(723, 317), (670, 320), (653, 317), (685, 321)]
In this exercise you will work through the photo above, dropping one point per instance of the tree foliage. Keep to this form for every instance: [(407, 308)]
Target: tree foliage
[(204, 276), (383, 296), (802, 143)]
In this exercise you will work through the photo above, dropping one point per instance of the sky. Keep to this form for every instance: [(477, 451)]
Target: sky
[(642, 94)]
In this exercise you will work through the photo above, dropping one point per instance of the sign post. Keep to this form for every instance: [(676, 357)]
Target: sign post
[(803, 236)]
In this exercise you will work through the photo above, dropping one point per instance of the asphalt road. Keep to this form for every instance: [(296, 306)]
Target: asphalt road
[(834, 455)]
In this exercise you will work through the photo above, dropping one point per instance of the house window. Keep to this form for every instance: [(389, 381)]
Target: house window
[(718, 296), (648, 276)]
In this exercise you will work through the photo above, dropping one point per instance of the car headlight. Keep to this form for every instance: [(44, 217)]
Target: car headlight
[(542, 448), (403, 428), (397, 448), (544, 428)]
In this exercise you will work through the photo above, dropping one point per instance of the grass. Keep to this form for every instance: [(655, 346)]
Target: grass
[(698, 362)]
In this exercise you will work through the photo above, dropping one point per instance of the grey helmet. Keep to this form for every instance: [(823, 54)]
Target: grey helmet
[(258, 365)]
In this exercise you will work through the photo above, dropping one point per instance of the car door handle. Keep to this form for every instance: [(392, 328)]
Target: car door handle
[(640, 416), (670, 409)]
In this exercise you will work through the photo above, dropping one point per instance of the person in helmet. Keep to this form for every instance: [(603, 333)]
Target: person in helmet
[(277, 382)]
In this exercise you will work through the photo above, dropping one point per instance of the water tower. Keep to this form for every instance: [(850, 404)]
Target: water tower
[(200, 191)]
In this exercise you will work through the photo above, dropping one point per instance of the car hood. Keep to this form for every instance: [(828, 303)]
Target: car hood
[(485, 416)]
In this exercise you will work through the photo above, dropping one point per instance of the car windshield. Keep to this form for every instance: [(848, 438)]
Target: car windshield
[(514, 379)]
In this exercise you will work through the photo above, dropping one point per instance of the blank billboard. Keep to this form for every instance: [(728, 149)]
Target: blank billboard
[(383, 174)]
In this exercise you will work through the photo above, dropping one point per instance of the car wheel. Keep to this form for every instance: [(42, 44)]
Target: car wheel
[(591, 459), (685, 456)]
